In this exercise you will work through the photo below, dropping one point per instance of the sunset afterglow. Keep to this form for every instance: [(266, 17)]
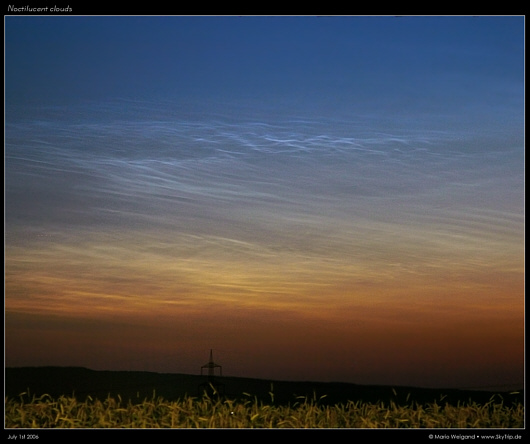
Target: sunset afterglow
[(313, 198)]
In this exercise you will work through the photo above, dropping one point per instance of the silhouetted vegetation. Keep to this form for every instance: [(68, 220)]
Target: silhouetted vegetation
[(55, 397)]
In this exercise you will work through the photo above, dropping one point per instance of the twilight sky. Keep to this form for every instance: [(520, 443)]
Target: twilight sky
[(314, 198)]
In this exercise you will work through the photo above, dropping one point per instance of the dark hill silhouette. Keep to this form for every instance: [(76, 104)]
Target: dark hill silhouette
[(137, 386)]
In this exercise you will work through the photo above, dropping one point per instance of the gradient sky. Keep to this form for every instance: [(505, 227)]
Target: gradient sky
[(313, 198)]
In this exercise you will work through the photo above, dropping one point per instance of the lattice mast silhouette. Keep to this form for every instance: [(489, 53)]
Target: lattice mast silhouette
[(211, 366), (212, 386)]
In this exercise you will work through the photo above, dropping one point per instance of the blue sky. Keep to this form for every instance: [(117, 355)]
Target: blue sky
[(436, 63), (274, 188)]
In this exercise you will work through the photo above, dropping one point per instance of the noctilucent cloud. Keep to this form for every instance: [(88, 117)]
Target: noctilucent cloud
[(313, 198)]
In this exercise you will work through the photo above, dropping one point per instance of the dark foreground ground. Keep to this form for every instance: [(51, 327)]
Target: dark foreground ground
[(137, 386)]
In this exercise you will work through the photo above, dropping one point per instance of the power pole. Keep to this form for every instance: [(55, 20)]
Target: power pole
[(212, 386)]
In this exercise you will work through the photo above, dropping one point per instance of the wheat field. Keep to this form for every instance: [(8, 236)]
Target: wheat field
[(46, 412)]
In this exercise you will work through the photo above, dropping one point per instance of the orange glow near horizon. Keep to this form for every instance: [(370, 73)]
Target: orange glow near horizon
[(313, 198), (416, 320)]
